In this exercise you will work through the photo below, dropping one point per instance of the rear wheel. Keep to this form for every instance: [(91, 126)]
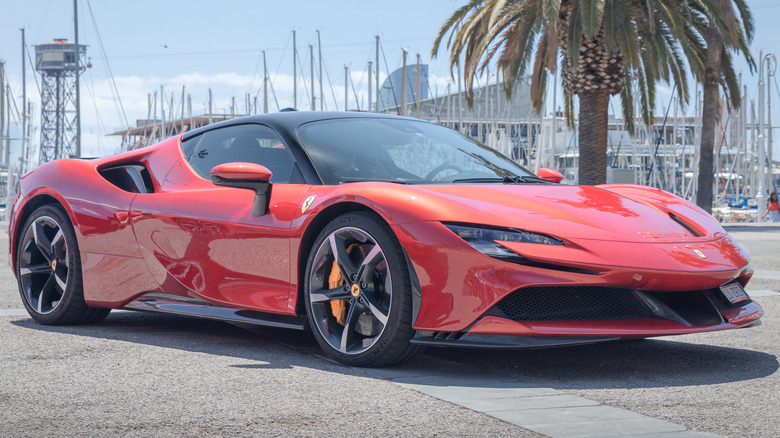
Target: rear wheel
[(48, 271), (358, 292)]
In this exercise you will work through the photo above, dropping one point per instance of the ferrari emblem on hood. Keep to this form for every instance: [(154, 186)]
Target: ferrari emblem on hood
[(307, 203)]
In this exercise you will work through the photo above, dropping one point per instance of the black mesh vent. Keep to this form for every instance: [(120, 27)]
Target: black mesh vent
[(721, 302), (567, 303)]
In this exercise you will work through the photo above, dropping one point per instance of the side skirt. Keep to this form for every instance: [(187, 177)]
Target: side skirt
[(161, 303)]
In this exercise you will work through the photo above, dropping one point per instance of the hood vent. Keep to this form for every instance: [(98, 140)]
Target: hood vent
[(687, 225)]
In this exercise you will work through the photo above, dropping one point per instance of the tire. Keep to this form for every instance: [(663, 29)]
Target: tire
[(48, 271), (358, 297)]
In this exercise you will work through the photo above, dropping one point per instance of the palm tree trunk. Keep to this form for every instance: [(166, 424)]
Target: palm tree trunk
[(593, 137), (709, 116)]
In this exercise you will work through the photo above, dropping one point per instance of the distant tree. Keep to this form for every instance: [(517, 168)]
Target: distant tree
[(719, 73), (606, 47)]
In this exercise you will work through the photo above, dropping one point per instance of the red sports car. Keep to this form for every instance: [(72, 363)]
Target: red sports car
[(379, 234)]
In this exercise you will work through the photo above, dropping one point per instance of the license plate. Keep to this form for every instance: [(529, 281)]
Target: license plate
[(734, 292)]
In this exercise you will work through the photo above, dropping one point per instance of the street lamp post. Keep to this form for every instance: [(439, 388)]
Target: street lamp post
[(762, 189)]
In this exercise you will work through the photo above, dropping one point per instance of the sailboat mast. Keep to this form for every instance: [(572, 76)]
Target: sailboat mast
[(295, 73), (211, 104), (24, 101), (181, 125), (377, 73), (403, 85), (319, 49), (162, 113), (265, 85), (460, 101), (313, 99), (369, 87), (417, 97), (2, 113)]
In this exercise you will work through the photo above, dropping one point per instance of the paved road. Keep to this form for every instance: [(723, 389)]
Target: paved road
[(726, 383), (138, 375)]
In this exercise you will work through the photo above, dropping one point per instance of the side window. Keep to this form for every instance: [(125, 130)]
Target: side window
[(188, 145), (245, 143)]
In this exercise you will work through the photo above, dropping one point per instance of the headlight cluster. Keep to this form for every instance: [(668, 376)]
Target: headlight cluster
[(484, 240)]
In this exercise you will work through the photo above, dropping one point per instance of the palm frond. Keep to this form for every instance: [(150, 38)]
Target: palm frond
[(730, 81), (568, 111), (591, 13), (452, 24), (575, 35), (627, 103), (614, 14)]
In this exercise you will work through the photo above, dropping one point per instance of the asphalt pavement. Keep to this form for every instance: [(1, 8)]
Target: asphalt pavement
[(138, 374)]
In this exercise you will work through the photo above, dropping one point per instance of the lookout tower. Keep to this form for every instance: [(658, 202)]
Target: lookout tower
[(57, 62)]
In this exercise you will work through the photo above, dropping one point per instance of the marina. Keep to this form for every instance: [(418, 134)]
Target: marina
[(273, 218), (664, 155)]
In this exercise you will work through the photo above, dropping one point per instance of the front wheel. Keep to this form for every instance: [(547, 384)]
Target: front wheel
[(358, 292), (48, 271)]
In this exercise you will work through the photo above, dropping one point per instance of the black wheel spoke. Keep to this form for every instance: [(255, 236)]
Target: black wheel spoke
[(36, 269), (324, 295), (367, 266), (42, 242), (339, 249), (58, 247), (44, 297), (375, 308), (349, 329), (60, 278)]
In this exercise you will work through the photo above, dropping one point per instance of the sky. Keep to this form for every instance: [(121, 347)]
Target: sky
[(218, 45)]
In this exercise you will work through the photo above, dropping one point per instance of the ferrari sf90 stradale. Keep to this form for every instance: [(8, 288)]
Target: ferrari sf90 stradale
[(380, 234)]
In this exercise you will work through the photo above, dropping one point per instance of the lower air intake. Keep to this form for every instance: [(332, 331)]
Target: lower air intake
[(566, 303)]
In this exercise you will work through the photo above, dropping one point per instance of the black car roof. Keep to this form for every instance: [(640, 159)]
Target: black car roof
[(287, 121)]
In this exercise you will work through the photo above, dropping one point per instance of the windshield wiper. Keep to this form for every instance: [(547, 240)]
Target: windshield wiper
[(354, 180), (503, 180), (530, 179)]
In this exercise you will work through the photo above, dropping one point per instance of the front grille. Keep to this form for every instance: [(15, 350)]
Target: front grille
[(588, 303), (567, 303), (721, 302)]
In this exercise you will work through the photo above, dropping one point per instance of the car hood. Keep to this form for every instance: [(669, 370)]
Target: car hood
[(627, 213)]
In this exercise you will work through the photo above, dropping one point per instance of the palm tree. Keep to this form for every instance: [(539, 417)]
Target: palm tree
[(606, 47), (719, 71)]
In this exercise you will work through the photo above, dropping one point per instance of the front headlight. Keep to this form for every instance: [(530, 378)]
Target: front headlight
[(484, 240)]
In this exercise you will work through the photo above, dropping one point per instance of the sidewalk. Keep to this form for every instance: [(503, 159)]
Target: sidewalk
[(752, 226)]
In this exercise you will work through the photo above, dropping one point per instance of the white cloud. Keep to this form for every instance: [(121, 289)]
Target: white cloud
[(101, 113)]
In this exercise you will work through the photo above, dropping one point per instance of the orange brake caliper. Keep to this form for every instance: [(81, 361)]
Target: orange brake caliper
[(338, 307)]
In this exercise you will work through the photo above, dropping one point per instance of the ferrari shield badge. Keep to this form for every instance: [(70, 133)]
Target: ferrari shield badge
[(307, 203)]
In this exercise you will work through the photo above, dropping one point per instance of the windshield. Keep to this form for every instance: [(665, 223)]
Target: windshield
[(401, 151)]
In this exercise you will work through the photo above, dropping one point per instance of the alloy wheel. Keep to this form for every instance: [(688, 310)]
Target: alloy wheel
[(44, 265), (350, 290)]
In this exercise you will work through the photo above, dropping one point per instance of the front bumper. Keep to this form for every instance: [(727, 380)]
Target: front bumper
[(500, 333), (460, 286)]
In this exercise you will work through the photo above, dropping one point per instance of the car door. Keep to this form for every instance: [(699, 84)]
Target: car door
[(202, 241)]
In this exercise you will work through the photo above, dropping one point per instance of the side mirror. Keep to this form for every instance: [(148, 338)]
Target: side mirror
[(549, 175), (246, 176)]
